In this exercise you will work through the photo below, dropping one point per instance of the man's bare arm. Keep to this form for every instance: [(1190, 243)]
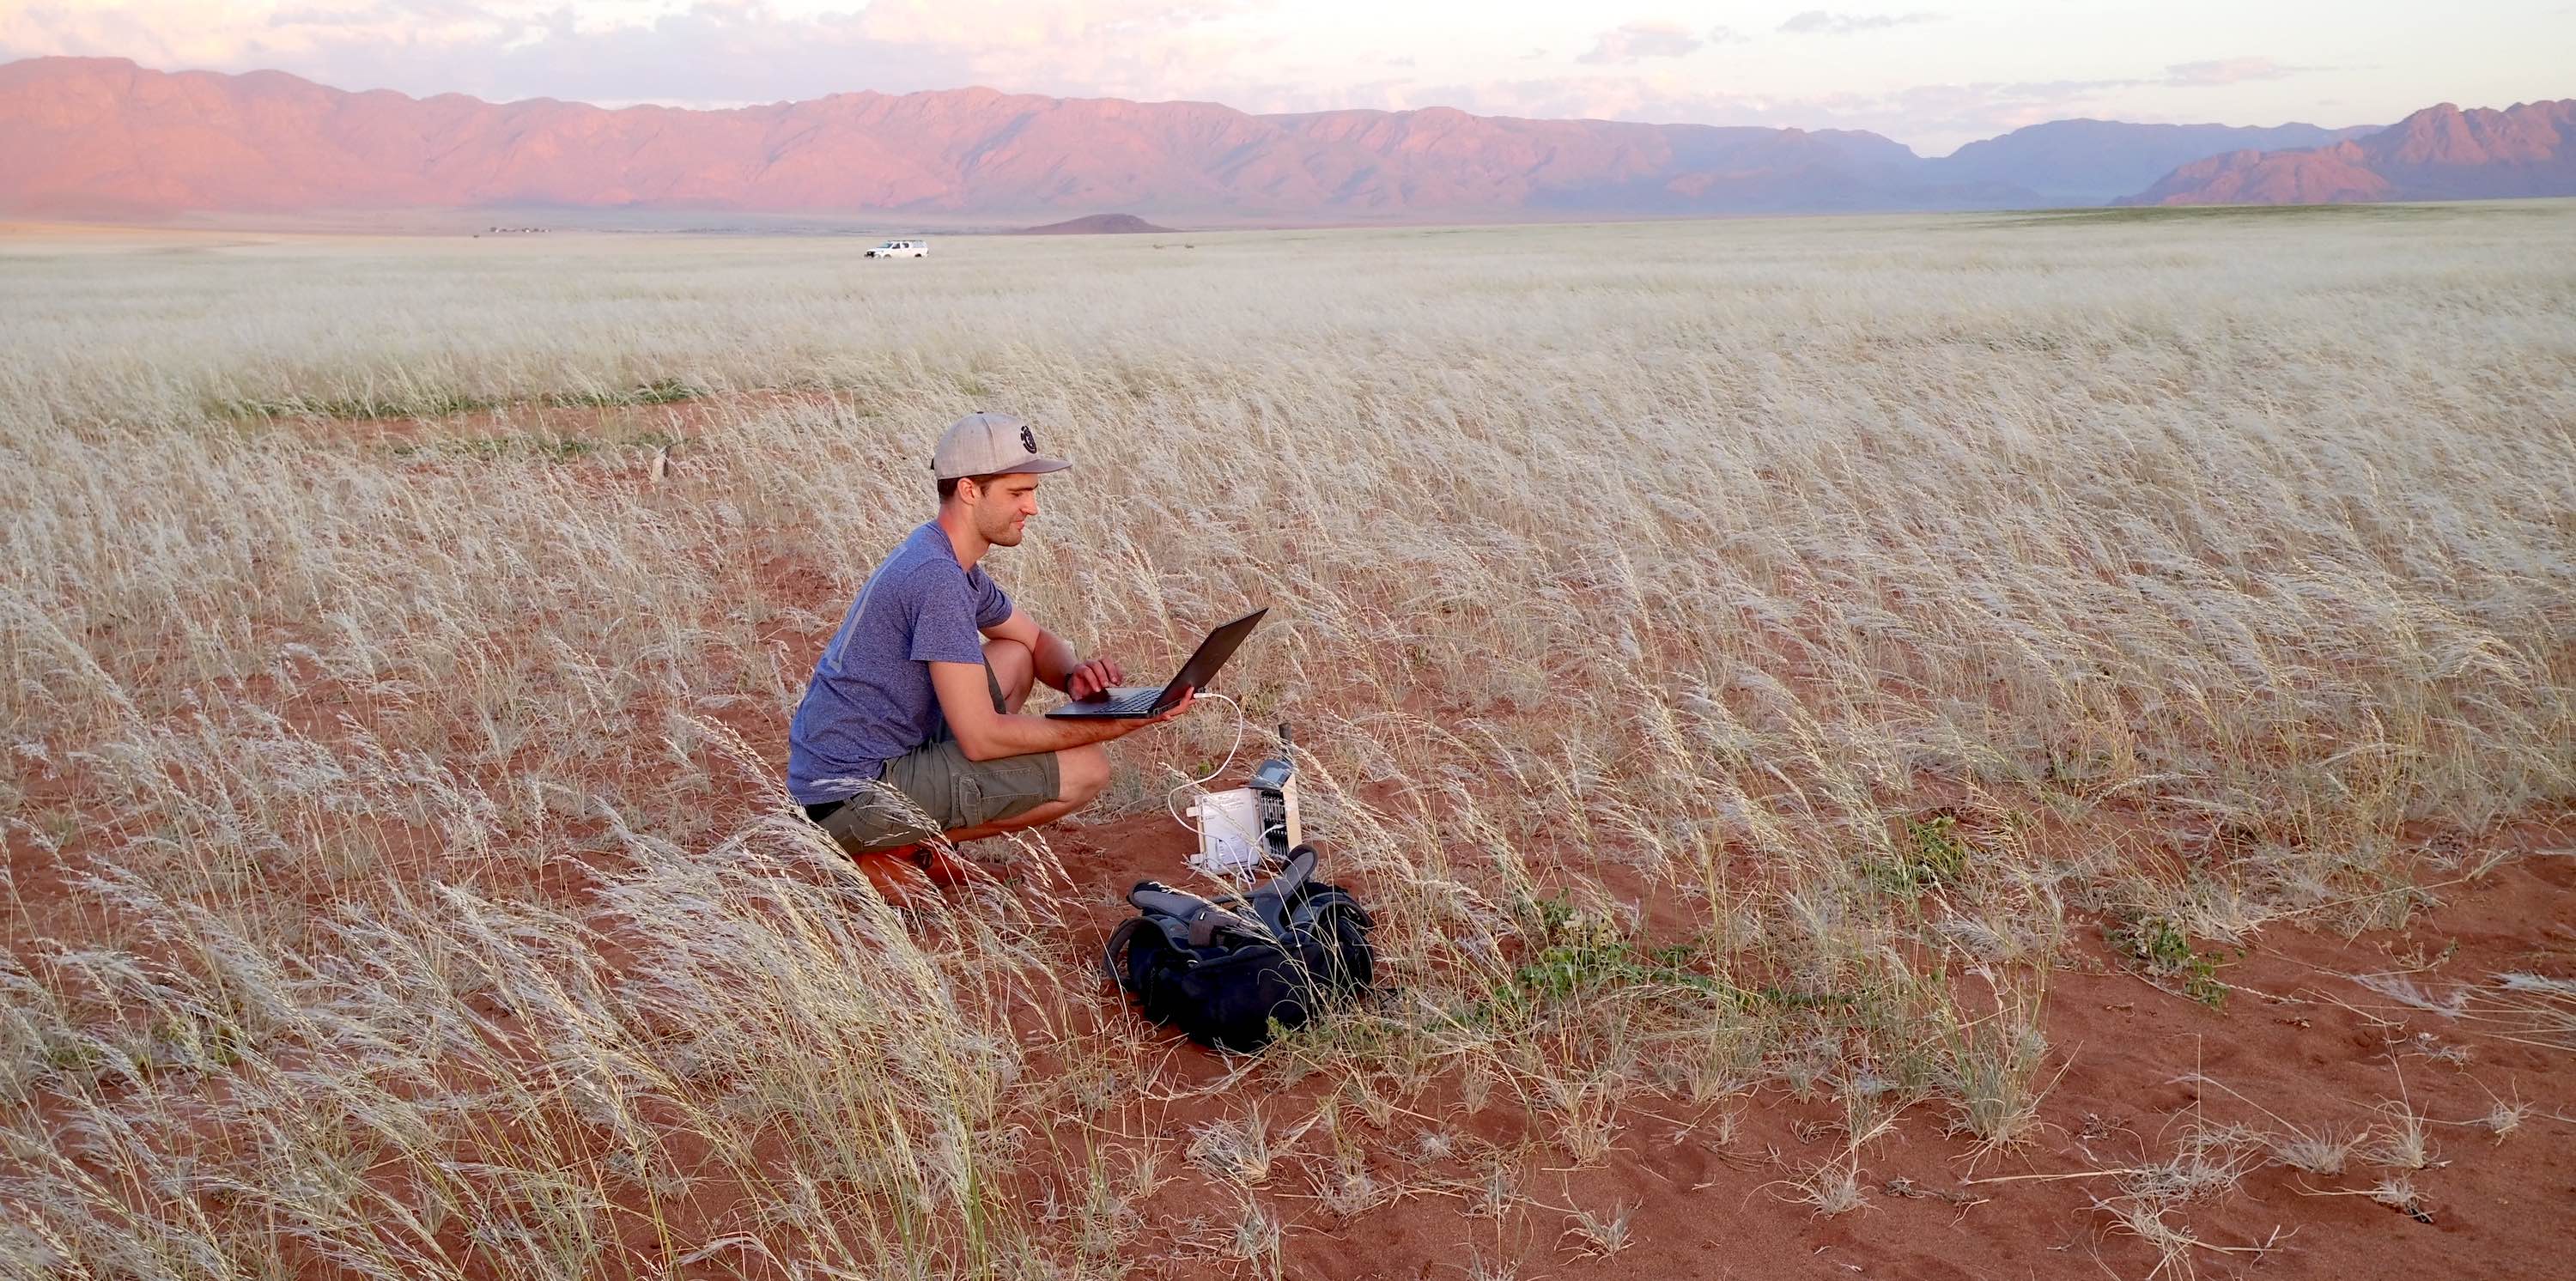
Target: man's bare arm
[(985, 735), (1057, 664)]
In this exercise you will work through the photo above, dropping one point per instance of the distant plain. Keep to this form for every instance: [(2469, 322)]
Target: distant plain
[(1932, 746)]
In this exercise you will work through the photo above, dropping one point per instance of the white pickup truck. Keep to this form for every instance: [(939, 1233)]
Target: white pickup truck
[(901, 249)]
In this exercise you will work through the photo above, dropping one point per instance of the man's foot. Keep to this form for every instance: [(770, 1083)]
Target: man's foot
[(947, 868), (897, 873), (905, 874)]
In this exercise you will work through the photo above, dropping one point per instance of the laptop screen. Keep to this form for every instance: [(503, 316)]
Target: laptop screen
[(1212, 653)]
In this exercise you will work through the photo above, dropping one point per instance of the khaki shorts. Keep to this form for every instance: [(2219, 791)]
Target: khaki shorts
[(934, 788)]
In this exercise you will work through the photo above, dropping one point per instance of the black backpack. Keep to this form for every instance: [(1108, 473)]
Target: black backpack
[(1227, 970)]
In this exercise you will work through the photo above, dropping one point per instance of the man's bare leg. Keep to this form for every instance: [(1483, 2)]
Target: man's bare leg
[(1082, 773), (1014, 669)]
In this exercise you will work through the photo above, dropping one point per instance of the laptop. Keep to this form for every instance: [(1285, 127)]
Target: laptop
[(1132, 702)]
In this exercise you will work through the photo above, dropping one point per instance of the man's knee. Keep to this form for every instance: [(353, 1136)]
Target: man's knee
[(1082, 773), (1015, 669)]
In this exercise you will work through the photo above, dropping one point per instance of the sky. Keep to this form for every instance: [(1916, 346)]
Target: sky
[(1929, 73)]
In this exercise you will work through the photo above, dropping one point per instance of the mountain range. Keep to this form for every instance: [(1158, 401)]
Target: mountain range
[(2439, 153), (103, 137)]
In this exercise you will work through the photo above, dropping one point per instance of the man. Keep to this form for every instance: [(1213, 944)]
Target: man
[(911, 728)]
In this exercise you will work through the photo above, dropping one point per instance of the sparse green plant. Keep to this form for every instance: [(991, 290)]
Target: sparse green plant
[(1991, 1066), (1602, 1234), (2160, 947), (1828, 1189), (1579, 952), (1932, 855), (1256, 1237), (659, 391)]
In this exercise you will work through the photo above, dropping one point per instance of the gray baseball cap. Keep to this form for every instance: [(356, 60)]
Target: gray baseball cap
[(986, 444)]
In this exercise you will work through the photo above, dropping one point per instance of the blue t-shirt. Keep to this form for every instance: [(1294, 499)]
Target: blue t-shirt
[(871, 699)]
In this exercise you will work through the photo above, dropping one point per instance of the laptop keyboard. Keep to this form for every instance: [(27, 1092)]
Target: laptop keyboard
[(1135, 702)]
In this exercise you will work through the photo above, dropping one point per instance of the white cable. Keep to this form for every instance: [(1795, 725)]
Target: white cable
[(1240, 723)]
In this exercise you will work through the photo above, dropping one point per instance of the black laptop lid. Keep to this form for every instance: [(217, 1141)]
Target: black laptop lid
[(1212, 653)]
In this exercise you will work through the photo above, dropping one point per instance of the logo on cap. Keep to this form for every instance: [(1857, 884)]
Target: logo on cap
[(1028, 439)]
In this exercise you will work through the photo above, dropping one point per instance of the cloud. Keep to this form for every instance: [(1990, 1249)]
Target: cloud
[(1818, 22), (2230, 71), (1059, 24), (680, 52), (1639, 40), (1983, 109)]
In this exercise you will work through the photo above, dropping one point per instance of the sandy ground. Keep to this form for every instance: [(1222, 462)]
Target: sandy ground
[(2296, 1042)]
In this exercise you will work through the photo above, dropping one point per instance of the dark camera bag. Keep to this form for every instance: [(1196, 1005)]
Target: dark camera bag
[(1229, 971)]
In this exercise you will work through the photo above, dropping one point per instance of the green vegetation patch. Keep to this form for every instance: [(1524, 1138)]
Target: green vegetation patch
[(445, 404), (660, 391), (2161, 949), (353, 408), (550, 447), (1578, 953), (2203, 214), (1932, 855)]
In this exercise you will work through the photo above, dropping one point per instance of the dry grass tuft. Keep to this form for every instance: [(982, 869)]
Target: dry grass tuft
[(1604, 1233), (2402, 1139), (1827, 1190), (2319, 1152)]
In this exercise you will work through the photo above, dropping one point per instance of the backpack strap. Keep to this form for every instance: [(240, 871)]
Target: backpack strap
[(1291, 878), (1270, 899), (1175, 937), (1156, 897), (1118, 941), (1334, 896), (1203, 918)]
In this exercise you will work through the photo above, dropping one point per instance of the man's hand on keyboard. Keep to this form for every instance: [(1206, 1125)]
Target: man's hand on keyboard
[(1092, 679)]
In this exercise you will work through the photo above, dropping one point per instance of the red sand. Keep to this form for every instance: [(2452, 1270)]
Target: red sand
[(2295, 1039)]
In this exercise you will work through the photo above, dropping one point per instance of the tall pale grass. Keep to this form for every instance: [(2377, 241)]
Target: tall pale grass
[(403, 883)]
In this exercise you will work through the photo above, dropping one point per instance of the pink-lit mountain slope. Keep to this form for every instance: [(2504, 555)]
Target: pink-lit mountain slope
[(103, 137), (2439, 153), (85, 137), (2090, 162)]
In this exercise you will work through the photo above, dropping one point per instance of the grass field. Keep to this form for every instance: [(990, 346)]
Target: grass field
[(1818, 706)]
